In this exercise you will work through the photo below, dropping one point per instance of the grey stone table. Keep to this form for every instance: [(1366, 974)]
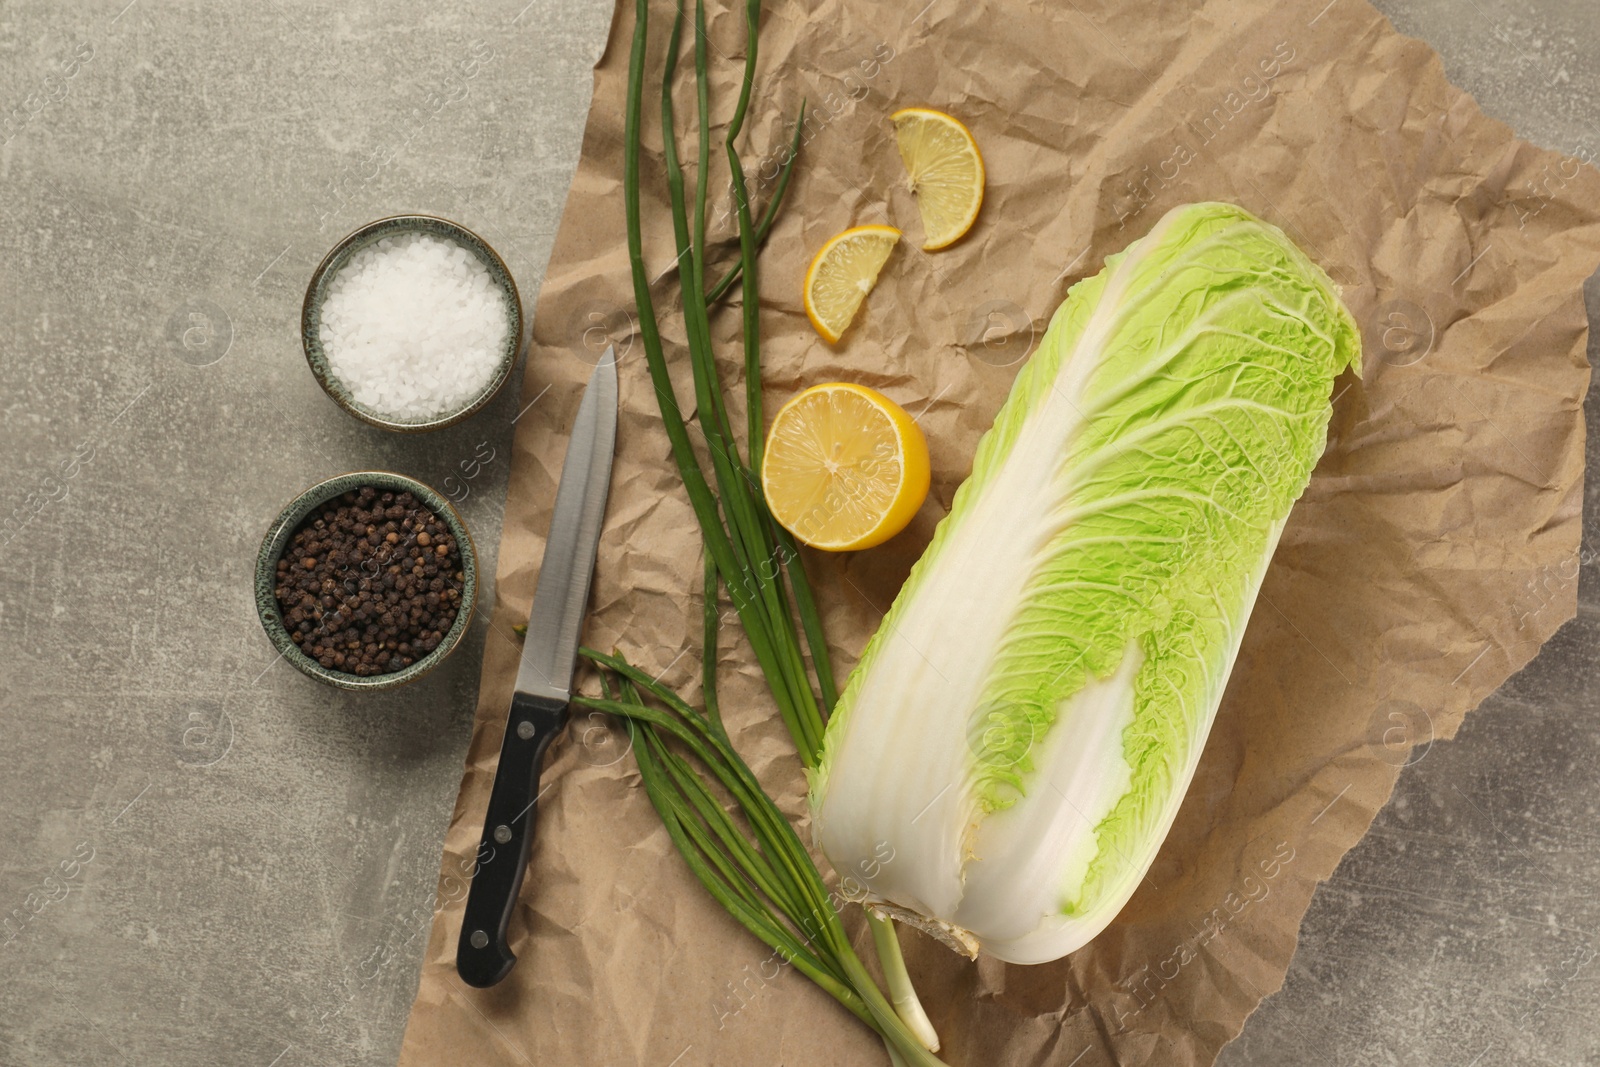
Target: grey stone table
[(252, 858)]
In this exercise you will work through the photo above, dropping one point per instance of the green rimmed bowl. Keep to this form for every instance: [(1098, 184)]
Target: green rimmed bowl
[(370, 234), (277, 539)]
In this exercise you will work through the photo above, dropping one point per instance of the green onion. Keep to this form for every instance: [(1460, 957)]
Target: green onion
[(770, 885), (764, 227), (760, 872)]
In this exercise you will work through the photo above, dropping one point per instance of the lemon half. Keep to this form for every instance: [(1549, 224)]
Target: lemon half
[(845, 468)]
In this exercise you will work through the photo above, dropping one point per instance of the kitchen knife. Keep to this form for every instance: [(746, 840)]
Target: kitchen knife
[(544, 681)]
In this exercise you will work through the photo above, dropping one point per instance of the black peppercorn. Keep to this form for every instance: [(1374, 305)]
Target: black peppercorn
[(369, 584)]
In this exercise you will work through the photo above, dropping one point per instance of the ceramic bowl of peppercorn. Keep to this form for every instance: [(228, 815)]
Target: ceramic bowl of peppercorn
[(366, 581)]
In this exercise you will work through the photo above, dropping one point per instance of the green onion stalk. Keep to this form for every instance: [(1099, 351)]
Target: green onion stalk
[(755, 865)]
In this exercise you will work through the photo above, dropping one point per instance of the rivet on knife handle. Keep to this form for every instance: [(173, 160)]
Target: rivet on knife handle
[(483, 954)]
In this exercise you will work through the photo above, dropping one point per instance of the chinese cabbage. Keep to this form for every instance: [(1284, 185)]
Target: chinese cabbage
[(1019, 733)]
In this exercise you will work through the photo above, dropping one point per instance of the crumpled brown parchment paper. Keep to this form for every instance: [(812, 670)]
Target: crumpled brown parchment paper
[(1433, 553)]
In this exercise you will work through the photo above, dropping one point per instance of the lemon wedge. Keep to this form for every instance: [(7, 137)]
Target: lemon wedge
[(945, 170), (845, 468), (841, 275)]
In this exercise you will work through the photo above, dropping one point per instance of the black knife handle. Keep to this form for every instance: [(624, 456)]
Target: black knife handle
[(483, 954)]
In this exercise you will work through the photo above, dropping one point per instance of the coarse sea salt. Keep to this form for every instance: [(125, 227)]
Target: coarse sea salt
[(414, 326)]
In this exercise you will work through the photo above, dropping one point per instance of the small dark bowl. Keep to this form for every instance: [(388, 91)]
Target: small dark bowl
[(371, 233), (277, 540)]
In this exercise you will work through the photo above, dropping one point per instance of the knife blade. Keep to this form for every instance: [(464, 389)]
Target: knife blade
[(539, 701)]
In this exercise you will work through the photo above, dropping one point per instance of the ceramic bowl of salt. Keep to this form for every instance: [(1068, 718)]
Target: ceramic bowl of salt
[(411, 323)]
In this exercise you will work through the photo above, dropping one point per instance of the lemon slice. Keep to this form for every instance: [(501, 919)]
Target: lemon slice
[(842, 273), (845, 468), (946, 173)]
